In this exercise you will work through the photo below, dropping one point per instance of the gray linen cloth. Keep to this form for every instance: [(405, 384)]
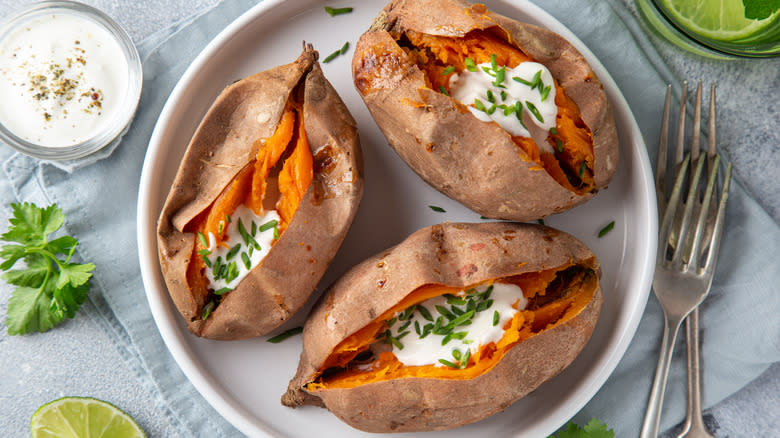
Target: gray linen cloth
[(98, 195)]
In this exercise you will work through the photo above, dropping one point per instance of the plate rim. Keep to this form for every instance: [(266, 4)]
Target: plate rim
[(174, 339)]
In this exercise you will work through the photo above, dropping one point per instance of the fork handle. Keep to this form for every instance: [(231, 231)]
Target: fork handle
[(653, 413)]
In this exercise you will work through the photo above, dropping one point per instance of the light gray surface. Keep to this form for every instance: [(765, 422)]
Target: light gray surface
[(79, 359)]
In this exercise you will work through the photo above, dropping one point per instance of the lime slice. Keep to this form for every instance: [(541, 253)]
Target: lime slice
[(721, 20), (82, 417)]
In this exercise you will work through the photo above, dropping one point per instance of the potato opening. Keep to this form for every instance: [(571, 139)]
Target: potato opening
[(568, 156), (272, 185), (549, 298)]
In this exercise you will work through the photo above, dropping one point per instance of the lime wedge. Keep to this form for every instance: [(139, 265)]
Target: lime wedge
[(82, 417), (721, 20)]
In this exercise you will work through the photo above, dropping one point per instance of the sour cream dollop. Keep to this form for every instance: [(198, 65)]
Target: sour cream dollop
[(493, 306), (520, 99), (62, 79)]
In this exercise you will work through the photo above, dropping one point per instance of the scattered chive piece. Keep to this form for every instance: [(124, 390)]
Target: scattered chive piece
[(448, 363), (553, 131), (491, 110), (490, 96), (268, 225), (443, 90), (251, 250), (206, 260), (244, 234), (521, 80), (494, 62), (582, 169), (203, 239), (546, 92), (607, 229), (456, 354), (500, 75), (276, 233), (204, 252), (437, 209), (425, 313), (254, 228), (448, 70), (217, 267), (503, 95), (227, 218), (223, 290), (479, 105), (488, 70), (233, 251), (207, 310), (397, 344), (496, 317), (534, 111), (344, 48), (445, 311), (537, 80), (559, 144), (282, 336), (470, 65), (446, 339), (540, 221), (337, 11), (246, 260), (220, 227), (508, 110), (330, 57), (417, 328)]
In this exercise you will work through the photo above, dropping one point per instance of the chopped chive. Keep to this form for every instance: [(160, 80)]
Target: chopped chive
[(401, 335), (244, 234), (268, 225), (484, 305), (276, 233), (246, 260), (437, 209), (494, 61), (227, 218), (446, 312), (391, 321), (454, 300), (582, 169), (488, 70), (203, 239), (417, 328), (470, 65), (479, 105), (465, 362), (503, 95), (448, 363), (509, 110), (546, 92), (485, 295), (460, 335), (521, 80), (344, 48), (251, 250), (427, 328), (403, 327), (330, 57), (337, 11), (222, 290), (448, 70), (500, 75), (204, 252), (496, 317), (220, 227), (395, 342), (607, 229), (206, 260), (490, 96), (443, 90), (491, 110), (233, 251), (207, 310), (463, 318), (519, 113), (446, 339), (284, 335), (537, 80), (425, 313), (217, 267), (540, 221), (457, 310), (534, 111), (254, 228), (559, 144), (232, 271), (553, 131), (456, 354)]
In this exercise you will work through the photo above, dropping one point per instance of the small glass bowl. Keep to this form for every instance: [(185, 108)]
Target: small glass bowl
[(125, 112)]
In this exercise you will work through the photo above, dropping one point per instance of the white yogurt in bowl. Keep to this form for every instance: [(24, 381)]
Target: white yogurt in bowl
[(70, 80)]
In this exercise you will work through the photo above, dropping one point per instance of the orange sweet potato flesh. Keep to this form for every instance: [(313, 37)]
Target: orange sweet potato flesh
[(433, 54), (249, 187), (553, 299)]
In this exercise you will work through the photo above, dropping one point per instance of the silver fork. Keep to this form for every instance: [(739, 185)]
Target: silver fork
[(684, 272)]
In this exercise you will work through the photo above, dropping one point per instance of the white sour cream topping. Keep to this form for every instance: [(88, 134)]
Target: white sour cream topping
[(483, 85), (427, 350), (62, 78), (234, 259)]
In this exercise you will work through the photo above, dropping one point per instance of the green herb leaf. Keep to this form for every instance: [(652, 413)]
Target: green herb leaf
[(537, 80), (607, 229), (582, 169), (500, 75), (594, 429), (470, 65), (437, 209), (203, 240), (344, 48), (531, 107), (559, 145), (496, 318), (286, 334), (246, 260), (448, 70), (207, 309), (50, 288), (233, 251), (337, 11), (276, 233), (546, 92), (424, 312), (445, 311), (479, 105), (443, 90), (521, 80), (493, 61), (448, 363), (268, 225), (330, 57), (553, 131), (490, 96), (223, 290)]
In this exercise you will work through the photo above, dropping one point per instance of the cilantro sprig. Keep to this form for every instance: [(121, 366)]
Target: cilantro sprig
[(594, 429), (50, 288)]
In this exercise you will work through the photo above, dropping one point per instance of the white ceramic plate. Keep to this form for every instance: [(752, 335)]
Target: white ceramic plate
[(244, 380)]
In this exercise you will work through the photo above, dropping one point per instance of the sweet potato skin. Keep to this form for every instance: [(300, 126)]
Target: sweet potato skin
[(225, 142), (453, 254), (471, 161)]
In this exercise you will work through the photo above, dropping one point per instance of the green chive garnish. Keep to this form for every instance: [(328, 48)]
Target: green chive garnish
[(424, 312), (448, 70), (337, 11), (244, 234), (484, 305), (521, 80), (559, 144), (496, 317), (207, 310), (582, 169), (470, 65), (204, 252), (254, 228), (534, 111), (281, 337), (437, 209), (330, 57), (503, 95), (227, 218), (395, 342), (446, 312), (607, 229), (508, 109), (491, 110), (344, 48), (220, 226), (206, 260), (553, 131), (479, 105), (546, 92), (223, 290), (456, 354), (500, 74), (246, 260), (276, 233), (268, 225), (233, 251), (483, 217), (417, 328), (455, 300), (203, 239), (443, 90), (493, 61), (448, 363), (490, 96), (464, 363), (537, 80)]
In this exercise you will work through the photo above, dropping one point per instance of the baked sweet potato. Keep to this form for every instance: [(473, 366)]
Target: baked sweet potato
[(411, 68), (263, 198), (534, 289)]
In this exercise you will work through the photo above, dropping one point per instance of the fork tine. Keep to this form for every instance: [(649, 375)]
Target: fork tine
[(692, 255), (660, 172), (696, 137), (665, 236), (678, 156), (686, 219), (712, 256)]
